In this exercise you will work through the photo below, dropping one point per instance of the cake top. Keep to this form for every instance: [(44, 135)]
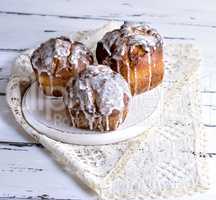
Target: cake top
[(60, 53), (120, 41), (99, 91)]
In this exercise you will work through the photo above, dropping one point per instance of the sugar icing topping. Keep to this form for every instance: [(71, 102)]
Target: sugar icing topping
[(68, 53), (120, 42), (99, 91), (132, 34)]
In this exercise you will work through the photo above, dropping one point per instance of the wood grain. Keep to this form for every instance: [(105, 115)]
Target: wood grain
[(35, 175), (115, 9)]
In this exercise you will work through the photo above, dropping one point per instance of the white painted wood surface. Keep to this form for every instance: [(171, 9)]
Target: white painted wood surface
[(26, 170)]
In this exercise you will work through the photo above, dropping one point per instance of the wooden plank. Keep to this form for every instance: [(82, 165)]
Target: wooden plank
[(6, 61), (137, 10), (29, 172), (20, 32), (65, 6), (9, 129), (48, 26)]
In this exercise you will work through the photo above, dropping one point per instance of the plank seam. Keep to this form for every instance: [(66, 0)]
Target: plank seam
[(21, 144), (97, 18)]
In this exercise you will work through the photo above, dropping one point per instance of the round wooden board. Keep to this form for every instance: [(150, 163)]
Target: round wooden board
[(48, 116)]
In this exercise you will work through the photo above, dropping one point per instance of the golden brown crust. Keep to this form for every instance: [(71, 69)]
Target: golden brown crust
[(136, 52), (109, 123), (56, 61), (97, 99)]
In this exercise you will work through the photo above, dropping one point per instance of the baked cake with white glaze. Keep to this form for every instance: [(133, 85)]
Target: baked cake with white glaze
[(97, 99), (135, 51), (56, 61)]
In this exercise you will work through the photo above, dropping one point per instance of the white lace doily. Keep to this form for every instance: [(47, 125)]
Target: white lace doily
[(160, 163)]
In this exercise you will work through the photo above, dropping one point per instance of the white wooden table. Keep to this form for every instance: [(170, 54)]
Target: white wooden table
[(26, 170)]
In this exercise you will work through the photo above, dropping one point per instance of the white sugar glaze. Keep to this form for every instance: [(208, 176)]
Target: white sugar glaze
[(121, 42), (132, 34), (68, 53), (106, 86), (57, 55)]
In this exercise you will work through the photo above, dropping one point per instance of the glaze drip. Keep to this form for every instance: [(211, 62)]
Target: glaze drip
[(58, 54), (150, 70), (131, 34), (56, 61), (98, 91), (128, 50)]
